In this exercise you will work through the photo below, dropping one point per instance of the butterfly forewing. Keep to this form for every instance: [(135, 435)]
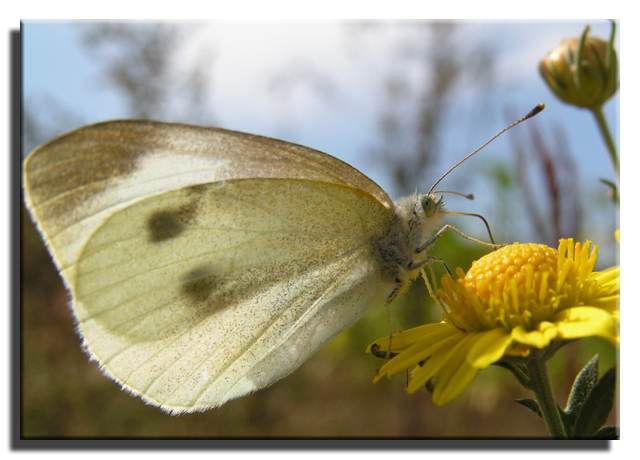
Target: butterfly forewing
[(77, 181)]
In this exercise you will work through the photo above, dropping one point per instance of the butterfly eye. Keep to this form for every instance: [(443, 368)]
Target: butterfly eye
[(428, 205)]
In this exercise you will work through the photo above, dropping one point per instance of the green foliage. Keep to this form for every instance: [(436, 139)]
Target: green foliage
[(595, 408), (519, 372), (589, 404), (608, 432), (530, 404), (584, 383)]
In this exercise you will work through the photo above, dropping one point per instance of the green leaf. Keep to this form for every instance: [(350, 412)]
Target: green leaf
[(519, 372), (582, 386), (608, 432), (568, 421), (613, 190), (530, 404), (533, 406), (597, 407)]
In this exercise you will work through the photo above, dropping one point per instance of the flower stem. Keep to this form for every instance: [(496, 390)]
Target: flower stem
[(541, 387), (608, 140)]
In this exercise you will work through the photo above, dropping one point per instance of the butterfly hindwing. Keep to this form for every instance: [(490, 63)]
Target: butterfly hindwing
[(203, 294)]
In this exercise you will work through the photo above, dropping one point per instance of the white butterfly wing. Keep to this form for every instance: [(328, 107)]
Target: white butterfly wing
[(205, 263), (76, 181), (197, 296)]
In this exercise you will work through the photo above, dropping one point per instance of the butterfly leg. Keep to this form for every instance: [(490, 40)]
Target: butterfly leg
[(435, 238)]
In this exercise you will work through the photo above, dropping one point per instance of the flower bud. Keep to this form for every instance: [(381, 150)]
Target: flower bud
[(582, 72)]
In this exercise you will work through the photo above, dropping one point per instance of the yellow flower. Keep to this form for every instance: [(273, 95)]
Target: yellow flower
[(520, 301)]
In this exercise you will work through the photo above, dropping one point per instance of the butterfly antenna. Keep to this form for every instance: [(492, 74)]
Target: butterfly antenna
[(536, 110), (468, 196)]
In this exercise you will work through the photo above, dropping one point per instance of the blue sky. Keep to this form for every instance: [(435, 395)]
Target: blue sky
[(336, 110)]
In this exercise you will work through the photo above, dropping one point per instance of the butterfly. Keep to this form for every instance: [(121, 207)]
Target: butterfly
[(205, 264)]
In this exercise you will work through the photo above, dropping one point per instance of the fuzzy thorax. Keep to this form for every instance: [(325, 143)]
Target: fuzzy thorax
[(415, 220)]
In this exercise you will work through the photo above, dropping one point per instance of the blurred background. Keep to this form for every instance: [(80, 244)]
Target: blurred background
[(400, 101)]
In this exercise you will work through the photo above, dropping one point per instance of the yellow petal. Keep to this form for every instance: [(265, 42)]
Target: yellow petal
[(405, 339), (608, 275), (489, 348), (420, 351), (457, 375), (538, 338), (464, 377), (578, 322), (610, 303), (438, 359)]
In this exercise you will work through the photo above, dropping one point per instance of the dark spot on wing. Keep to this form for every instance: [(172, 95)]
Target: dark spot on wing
[(166, 224), (198, 284), (196, 191)]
